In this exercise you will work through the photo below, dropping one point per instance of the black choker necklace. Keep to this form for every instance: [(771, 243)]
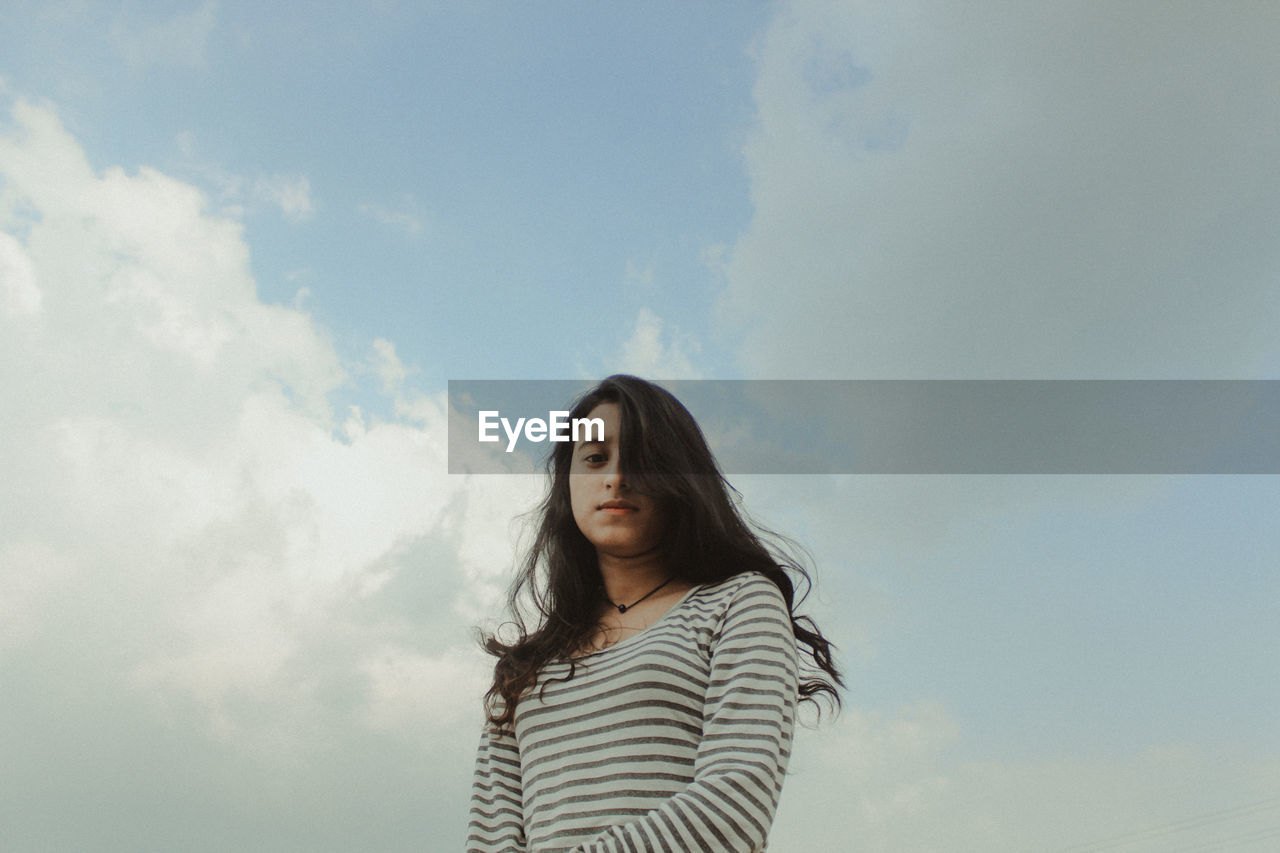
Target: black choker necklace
[(623, 608)]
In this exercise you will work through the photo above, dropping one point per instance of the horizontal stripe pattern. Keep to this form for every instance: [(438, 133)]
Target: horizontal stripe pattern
[(676, 739)]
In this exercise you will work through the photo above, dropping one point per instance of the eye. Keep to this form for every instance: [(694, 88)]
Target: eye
[(594, 459)]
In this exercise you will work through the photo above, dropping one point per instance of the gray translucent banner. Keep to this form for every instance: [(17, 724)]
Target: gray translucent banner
[(914, 427)]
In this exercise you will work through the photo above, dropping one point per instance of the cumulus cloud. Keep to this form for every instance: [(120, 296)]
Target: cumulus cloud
[(406, 690), (657, 349), (1058, 191), (290, 193), (1051, 191), (388, 366), (237, 194), (21, 295), (192, 535)]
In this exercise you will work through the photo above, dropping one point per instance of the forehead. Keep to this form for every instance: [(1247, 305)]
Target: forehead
[(611, 416)]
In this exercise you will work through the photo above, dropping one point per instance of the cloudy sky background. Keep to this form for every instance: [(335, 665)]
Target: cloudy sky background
[(243, 248)]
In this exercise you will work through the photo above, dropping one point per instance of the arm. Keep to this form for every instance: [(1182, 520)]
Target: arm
[(746, 739), (497, 814)]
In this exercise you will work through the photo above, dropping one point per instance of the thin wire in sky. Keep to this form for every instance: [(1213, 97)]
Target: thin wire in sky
[(1179, 826)]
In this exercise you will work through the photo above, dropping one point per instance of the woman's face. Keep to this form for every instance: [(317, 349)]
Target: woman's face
[(616, 520)]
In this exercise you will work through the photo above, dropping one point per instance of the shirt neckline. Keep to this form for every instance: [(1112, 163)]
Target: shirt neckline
[(636, 636)]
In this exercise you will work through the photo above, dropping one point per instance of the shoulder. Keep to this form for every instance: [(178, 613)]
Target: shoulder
[(743, 583), (748, 590), (751, 625)]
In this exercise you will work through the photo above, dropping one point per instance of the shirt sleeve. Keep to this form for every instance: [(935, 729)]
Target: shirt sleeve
[(748, 722), (496, 823)]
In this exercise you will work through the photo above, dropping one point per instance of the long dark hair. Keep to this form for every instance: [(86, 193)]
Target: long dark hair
[(664, 456)]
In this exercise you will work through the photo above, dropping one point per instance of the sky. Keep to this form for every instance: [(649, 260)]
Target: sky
[(244, 247)]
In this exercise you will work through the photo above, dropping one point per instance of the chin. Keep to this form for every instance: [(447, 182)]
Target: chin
[(631, 551)]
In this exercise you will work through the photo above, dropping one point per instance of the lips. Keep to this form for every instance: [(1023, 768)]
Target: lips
[(618, 505)]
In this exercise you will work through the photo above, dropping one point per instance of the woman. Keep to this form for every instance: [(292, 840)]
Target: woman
[(651, 706)]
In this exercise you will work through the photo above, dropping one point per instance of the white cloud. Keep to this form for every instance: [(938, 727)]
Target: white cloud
[(25, 594), (407, 216), (638, 276), (658, 350), (19, 292), (178, 41), (388, 366), (181, 505), (1048, 190), (237, 194), (407, 698), (493, 525), (290, 193)]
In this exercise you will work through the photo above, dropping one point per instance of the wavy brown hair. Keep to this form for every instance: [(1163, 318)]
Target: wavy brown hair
[(665, 457)]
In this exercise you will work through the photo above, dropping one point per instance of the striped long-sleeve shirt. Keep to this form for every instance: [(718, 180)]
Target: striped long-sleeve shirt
[(675, 739)]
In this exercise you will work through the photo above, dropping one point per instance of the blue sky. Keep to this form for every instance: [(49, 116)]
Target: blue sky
[(243, 248), (531, 159)]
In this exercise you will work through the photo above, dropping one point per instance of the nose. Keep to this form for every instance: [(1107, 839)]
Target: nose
[(613, 476)]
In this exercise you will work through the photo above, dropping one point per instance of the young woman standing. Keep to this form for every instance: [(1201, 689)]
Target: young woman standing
[(651, 705)]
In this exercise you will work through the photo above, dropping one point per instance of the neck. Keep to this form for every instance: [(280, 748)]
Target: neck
[(626, 578)]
